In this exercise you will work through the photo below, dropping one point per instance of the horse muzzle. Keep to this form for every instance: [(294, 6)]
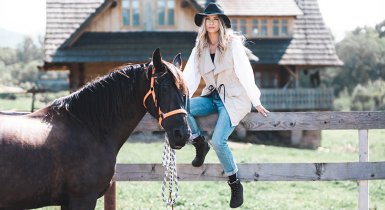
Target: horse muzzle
[(178, 138)]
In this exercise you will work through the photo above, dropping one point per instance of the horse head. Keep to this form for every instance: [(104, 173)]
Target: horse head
[(167, 98)]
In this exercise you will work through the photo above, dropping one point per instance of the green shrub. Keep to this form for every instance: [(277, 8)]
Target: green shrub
[(370, 96)]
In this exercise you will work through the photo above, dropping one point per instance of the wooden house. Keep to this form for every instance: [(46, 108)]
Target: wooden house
[(90, 37)]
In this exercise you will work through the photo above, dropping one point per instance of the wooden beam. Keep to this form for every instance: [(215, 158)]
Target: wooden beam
[(291, 72), (363, 185), (290, 121), (294, 74), (258, 172), (315, 121)]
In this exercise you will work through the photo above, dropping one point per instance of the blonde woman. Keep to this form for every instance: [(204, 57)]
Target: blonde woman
[(219, 56)]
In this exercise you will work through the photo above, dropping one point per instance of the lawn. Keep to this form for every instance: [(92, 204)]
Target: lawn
[(23, 101), (337, 146)]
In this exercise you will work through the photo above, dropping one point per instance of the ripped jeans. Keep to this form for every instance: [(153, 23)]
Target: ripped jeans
[(205, 105)]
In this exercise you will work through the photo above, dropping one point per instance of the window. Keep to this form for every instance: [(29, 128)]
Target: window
[(234, 24), (270, 28), (263, 27), (254, 28), (242, 26), (275, 27), (239, 25), (284, 28), (259, 28), (170, 12), (165, 12), (280, 27), (131, 12)]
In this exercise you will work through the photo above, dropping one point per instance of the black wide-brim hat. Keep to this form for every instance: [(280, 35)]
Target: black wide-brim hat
[(212, 9)]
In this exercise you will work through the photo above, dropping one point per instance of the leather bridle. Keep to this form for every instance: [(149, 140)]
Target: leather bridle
[(151, 91)]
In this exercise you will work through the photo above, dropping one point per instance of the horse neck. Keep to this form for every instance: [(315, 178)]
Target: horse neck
[(125, 128), (111, 107)]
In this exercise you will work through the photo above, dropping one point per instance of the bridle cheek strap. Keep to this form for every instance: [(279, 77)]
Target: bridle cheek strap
[(162, 115), (151, 91)]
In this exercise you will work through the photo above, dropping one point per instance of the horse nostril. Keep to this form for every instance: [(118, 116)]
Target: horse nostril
[(178, 133)]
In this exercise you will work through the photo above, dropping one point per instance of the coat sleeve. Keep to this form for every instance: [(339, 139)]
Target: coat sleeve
[(244, 71), (191, 74)]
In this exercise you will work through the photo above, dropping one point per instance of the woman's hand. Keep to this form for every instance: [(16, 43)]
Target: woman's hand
[(262, 110)]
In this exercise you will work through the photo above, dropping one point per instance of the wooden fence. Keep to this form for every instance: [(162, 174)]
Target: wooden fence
[(361, 171)]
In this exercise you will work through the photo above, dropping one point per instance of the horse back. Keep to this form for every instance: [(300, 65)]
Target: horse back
[(23, 157), (41, 158)]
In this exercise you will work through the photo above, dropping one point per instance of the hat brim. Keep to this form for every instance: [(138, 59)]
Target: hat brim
[(198, 19)]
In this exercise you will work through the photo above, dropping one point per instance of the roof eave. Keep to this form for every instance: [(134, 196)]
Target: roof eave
[(336, 63)]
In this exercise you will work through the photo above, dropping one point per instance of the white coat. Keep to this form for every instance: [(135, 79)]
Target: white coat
[(233, 70)]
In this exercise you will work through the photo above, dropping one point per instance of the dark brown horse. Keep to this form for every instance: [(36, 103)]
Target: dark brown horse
[(65, 153)]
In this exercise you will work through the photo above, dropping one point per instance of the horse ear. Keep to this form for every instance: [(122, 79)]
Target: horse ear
[(177, 61), (157, 58)]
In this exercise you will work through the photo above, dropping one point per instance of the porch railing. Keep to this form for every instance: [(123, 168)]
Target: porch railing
[(298, 99)]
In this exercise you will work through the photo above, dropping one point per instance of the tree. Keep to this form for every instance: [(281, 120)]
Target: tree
[(27, 51), (369, 97), (363, 54), (19, 66), (380, 28), (8, 56)]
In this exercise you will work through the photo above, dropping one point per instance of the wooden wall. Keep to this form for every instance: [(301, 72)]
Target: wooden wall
[(111, 20), (82, 73)]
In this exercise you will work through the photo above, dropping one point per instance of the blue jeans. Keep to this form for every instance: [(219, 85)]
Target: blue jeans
[(205, 105)]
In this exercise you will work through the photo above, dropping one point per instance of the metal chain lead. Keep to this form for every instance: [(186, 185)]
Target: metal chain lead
[(170, 174)]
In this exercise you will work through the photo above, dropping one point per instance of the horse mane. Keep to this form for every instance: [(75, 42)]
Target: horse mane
[(101, 101)]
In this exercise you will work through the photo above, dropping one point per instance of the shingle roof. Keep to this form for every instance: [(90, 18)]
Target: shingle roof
[(312, 43), (63, 18), (260, 8), (126, 46)]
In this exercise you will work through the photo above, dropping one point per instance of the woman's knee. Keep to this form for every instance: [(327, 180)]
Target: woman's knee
[(219, 143)]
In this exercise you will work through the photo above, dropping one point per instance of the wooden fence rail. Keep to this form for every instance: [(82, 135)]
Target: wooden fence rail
[(362, 170), (258, 172)]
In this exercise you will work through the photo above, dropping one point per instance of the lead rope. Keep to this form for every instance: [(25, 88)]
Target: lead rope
[(170, 175)]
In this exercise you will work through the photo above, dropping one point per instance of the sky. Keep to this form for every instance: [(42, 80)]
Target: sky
[(28, 16)]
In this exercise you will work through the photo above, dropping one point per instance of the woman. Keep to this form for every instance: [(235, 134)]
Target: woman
[(220, 58)]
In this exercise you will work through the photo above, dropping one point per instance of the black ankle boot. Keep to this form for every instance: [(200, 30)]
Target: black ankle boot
[(236, 194), (201, 150)]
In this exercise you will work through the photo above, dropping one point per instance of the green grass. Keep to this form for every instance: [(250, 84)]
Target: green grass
[(337, 146), (24, 101)]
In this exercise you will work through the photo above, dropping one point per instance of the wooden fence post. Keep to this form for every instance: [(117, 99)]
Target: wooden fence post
[(110, 197), (363, 185)]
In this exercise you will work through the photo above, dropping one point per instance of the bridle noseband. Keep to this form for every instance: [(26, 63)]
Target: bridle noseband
[(151, 91)]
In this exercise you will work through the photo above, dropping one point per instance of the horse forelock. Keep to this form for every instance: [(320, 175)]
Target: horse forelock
[(178, 77)]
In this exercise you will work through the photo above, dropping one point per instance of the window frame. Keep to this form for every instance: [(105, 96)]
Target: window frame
[(261, 22), (130, 25), (166, 15), (280, 24)]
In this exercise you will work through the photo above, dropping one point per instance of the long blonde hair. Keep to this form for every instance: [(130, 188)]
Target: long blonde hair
[(225, 37)]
